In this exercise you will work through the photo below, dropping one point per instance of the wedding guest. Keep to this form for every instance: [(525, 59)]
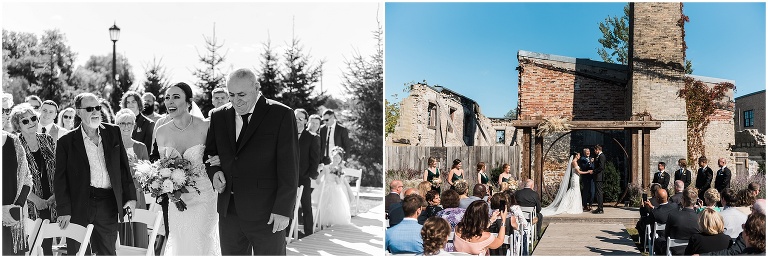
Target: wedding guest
[(432, 174), (395, 188), (16, 175), (136, 151), (478, 193), (314, 123), (745, 201), (739, 244), (143, 126), (451, 212), (657, 214), (455, 174), (723, 177), (39, 150), (7, 103), (433, 206), (662, 177), (711, 237), (219, 97), (434, 235), (515, 210), (754, 234), (149, 109), (424, 187), (48, 112), (500, 202), (711, 198), (683, 173), (527, 197), (681, 224), (67, 119), (704, 177), (462, 188), (732, 218), (396, 212), (34, 101), (678, 196), (471, 234), (754, 187), (405, 236)]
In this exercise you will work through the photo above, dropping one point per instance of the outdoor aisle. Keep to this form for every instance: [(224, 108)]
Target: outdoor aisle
[(585, 239), (365, 237)]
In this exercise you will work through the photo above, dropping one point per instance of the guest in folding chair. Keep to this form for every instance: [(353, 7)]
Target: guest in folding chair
[(405, 236), (472, 234), (712, 236), (754, 234), (499, 201), (15, 176), (681, 224), (435, 234), (655, 213)]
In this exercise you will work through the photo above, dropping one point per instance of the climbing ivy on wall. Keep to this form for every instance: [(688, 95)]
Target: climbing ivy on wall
[(700, 102)]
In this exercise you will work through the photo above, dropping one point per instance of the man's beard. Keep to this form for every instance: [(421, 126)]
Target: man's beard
[(148, 109)]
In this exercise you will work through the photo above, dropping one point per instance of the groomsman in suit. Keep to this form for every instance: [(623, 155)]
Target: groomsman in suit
[(93, 183), (332, 134), (703, 177), (587, 180), (309, 158), (723, 178), (598, 173), (683, 174), (661, 177), (48, 112)]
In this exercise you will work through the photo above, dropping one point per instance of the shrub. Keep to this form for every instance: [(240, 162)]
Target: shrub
[(611, 180), (635, 195), (406, 176)]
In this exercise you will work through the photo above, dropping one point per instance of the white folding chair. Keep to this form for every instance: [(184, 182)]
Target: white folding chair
[(293, 230), (671, 242), (318, 226), (75, 232), (153, 220), (531, 212), (357, 173), (31, 229)]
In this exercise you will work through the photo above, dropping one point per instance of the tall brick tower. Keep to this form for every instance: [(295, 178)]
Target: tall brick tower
[(656, 62)]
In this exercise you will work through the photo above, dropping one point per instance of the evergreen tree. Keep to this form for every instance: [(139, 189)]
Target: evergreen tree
[(210, 75), (269, 75), (156, 77), (299, 78)]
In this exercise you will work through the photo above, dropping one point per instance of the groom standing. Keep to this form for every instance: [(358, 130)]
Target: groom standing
[(598, 174), (257, 144)]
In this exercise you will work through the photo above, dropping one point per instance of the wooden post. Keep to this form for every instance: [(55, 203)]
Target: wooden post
[(635, 162), (538, 165), (526, 173), (646, 158)]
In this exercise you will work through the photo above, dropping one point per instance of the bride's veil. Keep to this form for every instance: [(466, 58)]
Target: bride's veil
[(560, 191), (196, 111)]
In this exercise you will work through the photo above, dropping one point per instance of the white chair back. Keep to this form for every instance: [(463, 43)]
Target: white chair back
[(31, 229), (356, 173), (671, 242), (318, 226), (75, 232), (154, 222), (293, 230)]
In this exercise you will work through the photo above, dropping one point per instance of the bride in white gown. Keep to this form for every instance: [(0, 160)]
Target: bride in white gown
[(568, 198), (194, 231)]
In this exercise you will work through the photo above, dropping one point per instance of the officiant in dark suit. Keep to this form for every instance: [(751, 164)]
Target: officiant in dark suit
[(93, 183), (257, 144), (309, 159), (332, 134), (587, 180)]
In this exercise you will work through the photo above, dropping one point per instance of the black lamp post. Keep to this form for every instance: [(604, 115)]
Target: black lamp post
[(114, 35)]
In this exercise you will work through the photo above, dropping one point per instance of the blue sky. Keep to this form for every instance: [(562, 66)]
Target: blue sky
[(472, 48)]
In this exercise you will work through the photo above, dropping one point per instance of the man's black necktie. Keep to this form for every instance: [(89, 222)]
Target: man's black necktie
[(43, 129), (242, 130)]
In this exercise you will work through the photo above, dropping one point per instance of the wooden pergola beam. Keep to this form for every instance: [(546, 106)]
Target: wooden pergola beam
[(594, 125)]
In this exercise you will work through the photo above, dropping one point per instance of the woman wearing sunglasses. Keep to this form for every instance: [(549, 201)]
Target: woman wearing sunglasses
[(67, 119), (38, 148)]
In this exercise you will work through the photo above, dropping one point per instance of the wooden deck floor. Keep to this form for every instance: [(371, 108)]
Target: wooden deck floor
[(365, 237), (579, 239)]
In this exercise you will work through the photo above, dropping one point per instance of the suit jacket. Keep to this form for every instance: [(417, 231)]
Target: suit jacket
[(340, 138), (263, 169), (661, 213), (681, 224), (142, 132), (527, 197), (73, 178), (396, 214), (703, 179), (723, 179), (684, 175), (701, 243), (678, 199), (662, 179), (404, 238), (309, 157), (584, 165), (390, 199), (599, 167)]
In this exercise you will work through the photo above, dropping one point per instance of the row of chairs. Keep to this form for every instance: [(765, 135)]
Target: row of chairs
[(651, 234)]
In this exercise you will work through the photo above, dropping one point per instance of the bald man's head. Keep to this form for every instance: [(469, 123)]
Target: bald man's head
[(410, 191), (529, 183), (759, 206), (661, 195)]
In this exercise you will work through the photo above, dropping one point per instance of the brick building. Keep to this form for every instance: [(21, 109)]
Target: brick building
[(750, 125)]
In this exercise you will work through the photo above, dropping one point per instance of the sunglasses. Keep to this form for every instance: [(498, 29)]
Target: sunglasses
[(26, 121), (6, 111), (91, 109), (325, 120), (67, 117), (36, 107)]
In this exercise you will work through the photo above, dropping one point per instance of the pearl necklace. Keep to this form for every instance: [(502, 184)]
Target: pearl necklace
[(185, 128)]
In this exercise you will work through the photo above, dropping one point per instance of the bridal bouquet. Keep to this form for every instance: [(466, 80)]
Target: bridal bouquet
[(170, 176)]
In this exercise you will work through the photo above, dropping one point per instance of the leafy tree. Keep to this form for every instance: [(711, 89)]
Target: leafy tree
[(364, 82), (512, 113), (101, 66), (299, 79), (210, 75), (392, 115), (156, 77), (269, 77)]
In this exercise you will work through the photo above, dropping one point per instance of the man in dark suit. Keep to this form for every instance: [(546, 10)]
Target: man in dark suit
[(723, 178), (683, 173), (527, 197), (598, 174), (48, 112), (257, 143), (661, 177), (680, 225), (587, 180), (658, 214), (703, 177), (93, 183), (309, 158), (395, 188), (332, 134), (678, 196), (396, 213)]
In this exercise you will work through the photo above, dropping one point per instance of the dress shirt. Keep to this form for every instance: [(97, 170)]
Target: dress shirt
[(239, 118), (96, 161), (47, 129)]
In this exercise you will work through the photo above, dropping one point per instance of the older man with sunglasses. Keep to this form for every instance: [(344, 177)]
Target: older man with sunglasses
[(93, 183)]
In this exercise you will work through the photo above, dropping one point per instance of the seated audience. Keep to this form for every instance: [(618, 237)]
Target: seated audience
[(395, 188), (732, 218), (462, 188), (526, 197), (451, 212), (738, 245), (711, 198), (711, 238), (434, 235), (681, 224), (433, 206), (423, 188), (746, 200), (754, 235), (510, 221), (396, 213), (677, 198), (405, 236), (754, 187), (471, 234), (658, 214), (478, 193)]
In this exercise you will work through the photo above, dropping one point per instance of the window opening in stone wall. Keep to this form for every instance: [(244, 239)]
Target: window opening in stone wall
[(749, 118), (500, 136), (452, 111), (432, 111)]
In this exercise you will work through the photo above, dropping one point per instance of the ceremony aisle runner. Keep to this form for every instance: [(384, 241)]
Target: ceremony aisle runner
[(364, 237)]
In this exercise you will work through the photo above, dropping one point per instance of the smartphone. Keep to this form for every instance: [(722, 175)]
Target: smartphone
[(645, 197), (503, 204)]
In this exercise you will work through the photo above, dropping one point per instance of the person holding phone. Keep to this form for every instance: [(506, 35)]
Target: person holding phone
[(15, 177)]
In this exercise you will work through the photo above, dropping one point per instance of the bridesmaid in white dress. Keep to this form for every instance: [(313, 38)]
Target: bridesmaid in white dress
[(568, 198)]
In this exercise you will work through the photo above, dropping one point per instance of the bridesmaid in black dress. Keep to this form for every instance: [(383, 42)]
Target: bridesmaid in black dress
[(432, 174), (15, 176), (456, 173)]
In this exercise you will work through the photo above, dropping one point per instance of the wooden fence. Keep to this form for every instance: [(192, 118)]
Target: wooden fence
[(403, 158)]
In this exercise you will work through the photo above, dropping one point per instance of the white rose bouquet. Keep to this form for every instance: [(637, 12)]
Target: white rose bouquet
[(169, 176)]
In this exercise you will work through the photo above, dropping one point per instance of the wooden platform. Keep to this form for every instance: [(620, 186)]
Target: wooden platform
[(622, 215), (365, 237), (585, 238)]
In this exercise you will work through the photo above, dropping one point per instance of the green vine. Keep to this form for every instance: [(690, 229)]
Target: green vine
[(700, 103), (681, 22)]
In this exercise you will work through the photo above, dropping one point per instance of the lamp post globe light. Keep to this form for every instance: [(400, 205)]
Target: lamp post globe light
[(114, 35)]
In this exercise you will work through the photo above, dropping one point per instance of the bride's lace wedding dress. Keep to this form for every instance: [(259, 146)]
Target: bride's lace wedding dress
[(195, 231), (568, 198)]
